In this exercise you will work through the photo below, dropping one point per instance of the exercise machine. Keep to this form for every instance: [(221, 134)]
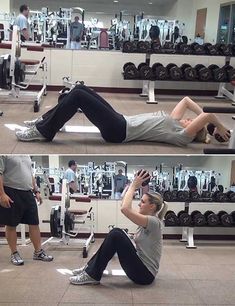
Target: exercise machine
[(13, 85), (66, 223)]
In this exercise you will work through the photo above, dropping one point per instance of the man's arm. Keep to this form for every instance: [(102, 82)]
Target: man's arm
[(23, 25), (71, 179), (5, 200), (185, 104), (36, 191), (25, 33), (73, 186)]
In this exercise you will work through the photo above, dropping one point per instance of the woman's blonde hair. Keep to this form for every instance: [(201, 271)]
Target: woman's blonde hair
[(161, 206), (202, 136)]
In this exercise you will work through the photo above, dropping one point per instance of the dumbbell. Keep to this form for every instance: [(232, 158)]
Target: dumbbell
[(143, 46), (171, 219), (212, 219), (226, 50), (231, 196), (211, 49), (129, 46), (168, 45), (198, 49), (218, 74), (130, 71), (159, 71), (204, 74), (156, 47), (198, 219), (189, 73), (206, 195), (145, 72), (183, 48), (184, 218), (194, 196), (211, 128), (174, 195), (219, 196), (230, 72), (225, 218), (174, 72), (167, 196), (182, 195)]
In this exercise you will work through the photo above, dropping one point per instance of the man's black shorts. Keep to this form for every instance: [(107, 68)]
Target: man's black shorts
[(24, 209)]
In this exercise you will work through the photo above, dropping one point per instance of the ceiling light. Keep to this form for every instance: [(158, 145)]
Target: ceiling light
[(150, 2), (115, 1)]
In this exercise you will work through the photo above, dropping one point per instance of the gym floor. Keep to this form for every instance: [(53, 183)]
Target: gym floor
[(74, 143), (204, 276)]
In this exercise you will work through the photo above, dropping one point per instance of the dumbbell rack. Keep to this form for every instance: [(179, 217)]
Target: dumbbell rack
[(188, 231), (148, 88)]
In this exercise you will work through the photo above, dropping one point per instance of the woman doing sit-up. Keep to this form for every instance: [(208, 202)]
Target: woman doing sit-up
[(117, 128), (140, 261)]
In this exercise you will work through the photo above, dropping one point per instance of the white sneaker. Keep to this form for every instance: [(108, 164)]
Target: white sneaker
[(32, 123), (78, 271), (30, 134), (16, 259), (83, 279)]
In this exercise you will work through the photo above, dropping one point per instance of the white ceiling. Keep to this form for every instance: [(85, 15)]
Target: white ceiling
[(106, 6)]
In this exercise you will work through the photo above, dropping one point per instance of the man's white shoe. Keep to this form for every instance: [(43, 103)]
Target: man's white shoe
[(83, 279)]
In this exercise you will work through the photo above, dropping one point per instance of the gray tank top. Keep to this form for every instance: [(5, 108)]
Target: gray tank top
[(158, 127)]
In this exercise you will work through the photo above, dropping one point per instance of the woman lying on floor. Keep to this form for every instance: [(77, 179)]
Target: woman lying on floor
[(140, 262), (117, 128)]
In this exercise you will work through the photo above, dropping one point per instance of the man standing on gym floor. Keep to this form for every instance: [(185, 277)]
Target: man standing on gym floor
[(119, 184), (18, 204), (70, 176), (76, 30), (22, 22)]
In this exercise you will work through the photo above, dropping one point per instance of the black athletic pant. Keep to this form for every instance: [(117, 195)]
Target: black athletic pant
[(111, 124), (117, 241)]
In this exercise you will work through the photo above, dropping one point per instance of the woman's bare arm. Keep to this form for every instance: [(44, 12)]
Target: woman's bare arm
[(185, 104), (202, 120)]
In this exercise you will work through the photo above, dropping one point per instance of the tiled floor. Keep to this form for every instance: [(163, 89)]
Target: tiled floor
[(205, 276), (73, 143)]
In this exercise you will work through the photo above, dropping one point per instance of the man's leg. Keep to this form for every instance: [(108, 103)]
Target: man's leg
[(35, 237), (11, 237)]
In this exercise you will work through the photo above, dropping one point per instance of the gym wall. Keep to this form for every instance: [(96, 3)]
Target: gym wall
[(213, 10), (222, 166)]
